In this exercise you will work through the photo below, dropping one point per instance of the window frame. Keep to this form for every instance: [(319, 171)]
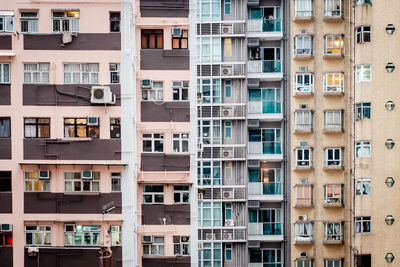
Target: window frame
[(78, 180), (363, 34), (3, 77), (116, 176), (303, 262), (303, 45), (363, 2), (115, 235), (359, 188), (159, 247), (91, 131), (73, 22), (115, 20), (3, 123), (361, 109), (182, 90), (332, 87), (182, 40), (304, 158), (330, 158), (42, 230), (330, 44), (148, 33), (29, 20), (363, 73), (306, 10), (303, 120), (41, 73), (333, 197), (180, 139), (359, 221), (115, 128), (365, 147), (303, 194), (153, 138), (114, 69), (300, 85), (181, 248), (88, 69), (71, 235), (153, 193), (37, 125), (183, 191), (228, 129), (329, 11), (300, 231), (32, 184), (333, 262), (334, 235), (333, 119), (209, 173), (155, 93)]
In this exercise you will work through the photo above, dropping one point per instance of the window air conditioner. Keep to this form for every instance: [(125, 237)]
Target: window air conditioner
[(147, 239), (226, 70), (303, 180), (86, 175), (227, 112), (102, 95), (227, 236), (210, 236), (303, 69), (184, 239), (229, 223), (227, 29), (146, 84), (227, 194), (227, 153), (93, 121), (6, 227), (303, 31), (44, 174), (303, 218), (176, 32), (303, 106)]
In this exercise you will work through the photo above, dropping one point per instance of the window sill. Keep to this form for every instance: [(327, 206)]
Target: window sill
[(303, 168), (303, 205), (333, 205), (298, 93), (333, 167), (333, 130), (79, 193), (334, 56), (333, 242), (303, 18), (303, 56), (301, 131), (333, 93), (333, 18)]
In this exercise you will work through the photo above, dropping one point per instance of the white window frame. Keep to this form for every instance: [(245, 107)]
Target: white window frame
[(82, 232), (363, 2), (116, 176), (299, 83), (182, 192), (307, 162), (303, 120), (363, 187), (360, 109), (153, 195), (79, 72), (363, 73), (303, 45), (213, 94), (115, 235), (214, 168), (361, 31), (330, 43), (69, 183), (228, 170), (334, 198), (45, 184), (333, 119), (300, 233), (335, 235), (303, 8), (3, 77), (155, 93), (40, 70), (333, 82), (180, 87), (32, 22), (157, 245), (363, 149), (331, 8), (7, 19), (114, 73), (73, 22), (180, 142), (39, 233), (303, 263), (155, 138), (228, 125), (330, 156), (181, 245), (360, 220), (333, 262), (209, 131), (301, 191)]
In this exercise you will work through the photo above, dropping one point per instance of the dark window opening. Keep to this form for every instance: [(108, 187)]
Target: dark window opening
[(5, 181), (152, 39)]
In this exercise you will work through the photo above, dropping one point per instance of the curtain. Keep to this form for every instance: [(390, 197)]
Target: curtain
[(5, 130)]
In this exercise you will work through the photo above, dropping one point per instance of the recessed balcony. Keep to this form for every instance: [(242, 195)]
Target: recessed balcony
[(267, 231), (265, 191), (269, 29), (265, 69)]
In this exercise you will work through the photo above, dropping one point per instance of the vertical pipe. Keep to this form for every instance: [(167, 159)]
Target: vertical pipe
[(128, 133)]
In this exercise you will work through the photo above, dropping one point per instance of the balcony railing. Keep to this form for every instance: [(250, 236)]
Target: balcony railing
[(304, 14), (303, 52), (264, 25), (265, 107), (265, 229), (266, 148), (333, 88), (264, 66), (265, 188), (304, 88)]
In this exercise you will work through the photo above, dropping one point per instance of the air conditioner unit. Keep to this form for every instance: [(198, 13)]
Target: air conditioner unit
[(184, 239), (6, 227), (303, 254), (229, 223), (227, 112), (66, 37), (200, 246), (33, 251), (253, 83), (86, 175), (147, 239), (227, 29), (176, 31), (303, 218), (227, 236), (102, 95), (227, 194), (227, 153), (94, 121), (146, 84), (44, 174), (226, 70), (200, 147), (303, 106), (303, 69), (253, 204), (69, 227), (303, 31), (253, 164), (210, 236), (303, 180), (253, 244), (253, 124)]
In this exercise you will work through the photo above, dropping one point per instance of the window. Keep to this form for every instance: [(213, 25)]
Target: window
[(364, 260), (303, 231), (227, 47), (228, 247), (209, 131), (181, 245), (114, 72), (228, 88), (180, 143), (210, 214), (209, 49), (211, 255), (180, 91), (5, 127), (180, 41), (85, 181), (115, 182), (34, 184), (303, 45), (303, 8), (210, 90), (304, 83), (363, 111), (6, 239), (303, 157), (333, 263), (66, 21), (303, 120), (228, 213), (81, 127), (363, 73), (115, 127), (267, 257), (5, 181), (227, 11), (115, 20), (304, 263), (152, 39), (181, 194), (270, 179), (333, 157), (333, 8), (153, 142), (334, 45), (333, 231), (333, 194), (37, 235), (363, 2), (270, 219), (209, 172), (265, 101), (153, 194), (155, 248), (228, 170), (228, 129), (362, 225), (363, 34), (363, 149), (303, 194), (265, 141), (209, 10), (115, 235), (155, 93), (4, 72), (333, 119), (82, 235), (333, 82), (37, 127), (363, 187), (29, 22), (6, 21), (36, 72), (81, 73)]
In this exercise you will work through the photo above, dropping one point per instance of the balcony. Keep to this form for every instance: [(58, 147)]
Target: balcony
[(271, 151), (269, 29), (231, 235), (265, 191), (303, 15), (265, 69), (236, 194), (265, 110), (224, 70), (267, 231), (231, 111)]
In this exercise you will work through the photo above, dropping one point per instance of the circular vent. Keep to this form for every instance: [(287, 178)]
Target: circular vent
[(98, 93), (226, 153), (227, 194), (226, 112), (225, 30), (225, 71)]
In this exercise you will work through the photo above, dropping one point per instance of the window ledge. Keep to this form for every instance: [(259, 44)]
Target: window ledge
[(333, 130), (296, 93), (303, 205), (333, 205), (300, 131), (79, 193), (303, 168), (333, 18), (303, 242), (332, 93), (333, 242), (329, 56), (333, 167), (303, 18), (303, 56)]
